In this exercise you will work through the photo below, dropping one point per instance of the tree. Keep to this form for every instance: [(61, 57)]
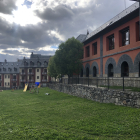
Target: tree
[(68, 57), (52, 68)]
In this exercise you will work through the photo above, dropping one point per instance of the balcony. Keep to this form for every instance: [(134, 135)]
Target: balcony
[(22, 73), (22, 80), (44, 80), (30, 80), (30, 73), (14, 80), (44, 73)]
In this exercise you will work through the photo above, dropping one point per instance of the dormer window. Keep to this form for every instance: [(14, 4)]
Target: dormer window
[(45, 63), (15, 69), (38, 63), (32, 63), (9, 69), (4, 69), (25, 63)]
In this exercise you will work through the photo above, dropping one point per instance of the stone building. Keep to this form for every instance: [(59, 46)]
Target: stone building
[(16, 74), (113, 49)]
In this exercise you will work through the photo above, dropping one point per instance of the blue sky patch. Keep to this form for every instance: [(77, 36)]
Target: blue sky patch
[(54, 47), (27, 3)]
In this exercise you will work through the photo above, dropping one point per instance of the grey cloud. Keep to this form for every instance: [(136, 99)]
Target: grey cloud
[(7, 6), (58, 13), (13, 55), (64, 20)]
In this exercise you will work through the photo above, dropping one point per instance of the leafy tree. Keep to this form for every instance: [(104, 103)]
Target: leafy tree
[(68, 57), (52, 68)]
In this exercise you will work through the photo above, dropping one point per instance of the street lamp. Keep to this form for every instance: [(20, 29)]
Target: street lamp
[(139, 16)]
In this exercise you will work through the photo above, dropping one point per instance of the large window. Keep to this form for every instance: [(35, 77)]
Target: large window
[(14, 77), (87, 72), (94, 71), (110, 70), (94, 48), (137, 31), (87, 51), (125, 36), (124, 69), (110, 40), (81, 73), (139, 69)]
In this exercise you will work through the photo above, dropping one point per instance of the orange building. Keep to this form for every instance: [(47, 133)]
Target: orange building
[(114, 48)]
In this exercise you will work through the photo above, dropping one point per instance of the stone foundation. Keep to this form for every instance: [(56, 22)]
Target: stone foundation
[(102, 95)]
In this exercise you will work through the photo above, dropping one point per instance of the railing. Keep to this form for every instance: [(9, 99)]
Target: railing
[(44, 73), (30, 80), (14, 80), (22, 80), (122, 82), (22, 73), (44, 80), (30, 73)]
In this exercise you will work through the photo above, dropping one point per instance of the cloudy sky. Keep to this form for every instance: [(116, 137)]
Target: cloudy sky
[(39, 26)]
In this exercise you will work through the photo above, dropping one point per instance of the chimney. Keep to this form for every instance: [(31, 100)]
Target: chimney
[(87, 32)]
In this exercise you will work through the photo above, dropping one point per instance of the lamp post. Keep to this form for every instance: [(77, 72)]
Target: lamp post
[(139, 16)]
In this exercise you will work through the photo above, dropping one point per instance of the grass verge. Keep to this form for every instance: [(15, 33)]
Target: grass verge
[(59, 116)]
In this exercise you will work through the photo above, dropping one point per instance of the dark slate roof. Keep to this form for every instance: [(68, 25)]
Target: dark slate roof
[(9, 67), (127, 11), (81, 38), (35, 58)]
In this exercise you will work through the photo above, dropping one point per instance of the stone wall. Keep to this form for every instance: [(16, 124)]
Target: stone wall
[(102, 95)]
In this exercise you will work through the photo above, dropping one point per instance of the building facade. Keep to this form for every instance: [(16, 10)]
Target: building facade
[(114, 48), (16, 74)]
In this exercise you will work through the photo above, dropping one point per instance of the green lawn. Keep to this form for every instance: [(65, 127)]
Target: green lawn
[(59, 116)]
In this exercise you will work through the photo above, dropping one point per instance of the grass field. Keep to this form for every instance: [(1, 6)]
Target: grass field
[(59, 116)]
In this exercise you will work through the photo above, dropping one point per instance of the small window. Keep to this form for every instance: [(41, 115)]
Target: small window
[(0, 76), (45, 70), (37, 77), (30, 70), (45, 77), (87, 51), (110, 42), (37, 70), (0, 84), (0, 69), (8, 76), (5, 83), (22, 70), (5, 76), (125, 36), (30, 77), (94, 49), (8, 83)]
